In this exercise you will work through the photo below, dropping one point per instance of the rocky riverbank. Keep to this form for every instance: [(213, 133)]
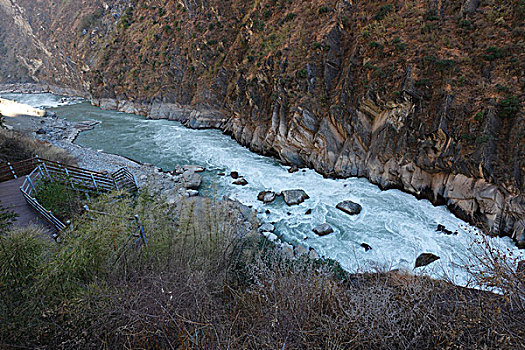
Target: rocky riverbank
[(493, 208), (175, 185)]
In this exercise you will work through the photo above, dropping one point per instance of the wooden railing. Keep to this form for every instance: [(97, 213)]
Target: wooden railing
[(80, 179), (9, 170)]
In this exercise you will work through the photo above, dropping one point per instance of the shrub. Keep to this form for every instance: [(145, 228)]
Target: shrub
[(375, 44), (302, 73), (493, 53), (60, 198), (509, 107), (323, 9), (289, 17), (383, 11)]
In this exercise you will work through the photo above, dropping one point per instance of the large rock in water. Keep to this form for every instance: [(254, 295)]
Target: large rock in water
[(323, 230), (349, 207), (425, 259), (192, 180), (266, 196), (293, 197), (240, 182)]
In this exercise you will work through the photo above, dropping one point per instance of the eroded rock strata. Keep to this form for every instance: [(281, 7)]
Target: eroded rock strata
[(422, 96)]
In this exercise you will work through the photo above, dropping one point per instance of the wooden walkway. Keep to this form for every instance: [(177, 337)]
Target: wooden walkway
[(12, 198)]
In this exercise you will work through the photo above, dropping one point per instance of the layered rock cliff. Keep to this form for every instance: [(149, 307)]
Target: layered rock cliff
[(425, 96)]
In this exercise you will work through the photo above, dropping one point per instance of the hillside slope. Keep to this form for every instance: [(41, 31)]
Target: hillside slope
[(424, 96)]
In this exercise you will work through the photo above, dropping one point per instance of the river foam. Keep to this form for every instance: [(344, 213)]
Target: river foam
[(396, 225)]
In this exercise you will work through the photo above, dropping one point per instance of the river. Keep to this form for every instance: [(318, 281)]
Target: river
[(396, 225)]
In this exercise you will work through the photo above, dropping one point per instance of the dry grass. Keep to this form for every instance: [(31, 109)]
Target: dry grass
[(15, 147), (207, 281)]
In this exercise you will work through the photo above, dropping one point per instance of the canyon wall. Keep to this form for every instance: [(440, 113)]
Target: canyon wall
[(424, 96)]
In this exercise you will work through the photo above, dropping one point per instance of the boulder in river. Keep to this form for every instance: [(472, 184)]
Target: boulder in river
[(240, 182), (178, 170), (192, 180), (192, 193), (293, 197), (442, 228), (266, 227), (308, 212), (266, 196), (300, 250), (425, 259), (194, 168), (293, 169), (323, 230), (286, 250), (312, 254), (366, 246), (349, 207), (234, 174), (272, 237)]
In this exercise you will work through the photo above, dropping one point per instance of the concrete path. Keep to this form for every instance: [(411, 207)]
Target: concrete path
[(12, 198)]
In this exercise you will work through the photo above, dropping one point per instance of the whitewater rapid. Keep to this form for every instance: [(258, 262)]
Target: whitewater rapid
[(396, 225)]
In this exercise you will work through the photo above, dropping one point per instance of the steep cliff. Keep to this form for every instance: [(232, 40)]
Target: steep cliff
[(425, 96)]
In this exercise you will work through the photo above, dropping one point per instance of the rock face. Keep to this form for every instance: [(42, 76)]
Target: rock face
[(294, 197), (339, 106), (425, 259), (349, 207), (323, 230)]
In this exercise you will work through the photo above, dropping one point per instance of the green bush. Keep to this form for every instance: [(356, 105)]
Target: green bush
[(493, 53), (323, 9), (509, 107), (60, 198), (383, 11)]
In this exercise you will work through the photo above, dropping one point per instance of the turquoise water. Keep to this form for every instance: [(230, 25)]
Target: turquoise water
[(398, 226)]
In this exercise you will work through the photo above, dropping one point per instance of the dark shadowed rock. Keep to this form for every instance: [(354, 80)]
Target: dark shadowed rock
[(293, 197), (323, 230), (241, 182), (425, 259), (442, 228), (234, 175), (349, 207), (471, 6), (308, 212), (366, 246), (293, 169), (266, 196)]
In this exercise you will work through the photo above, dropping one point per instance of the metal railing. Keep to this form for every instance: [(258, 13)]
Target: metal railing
[(78, 178)]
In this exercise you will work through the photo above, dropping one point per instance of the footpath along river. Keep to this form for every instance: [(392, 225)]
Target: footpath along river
[(396, 225)]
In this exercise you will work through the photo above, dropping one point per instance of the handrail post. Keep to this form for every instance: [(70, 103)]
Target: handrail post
[(94, 182), (30, 183), (47, 172), (12, 169)]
